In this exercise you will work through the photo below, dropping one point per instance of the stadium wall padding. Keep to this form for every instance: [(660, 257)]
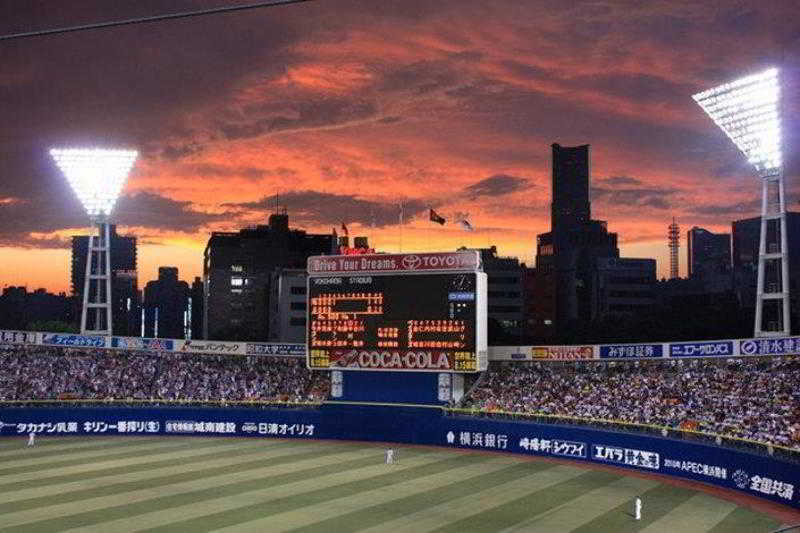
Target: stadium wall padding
[(762, 476)]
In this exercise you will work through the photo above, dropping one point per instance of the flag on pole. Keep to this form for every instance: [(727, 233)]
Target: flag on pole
[(344, 229), (435, 217), (465, 225)]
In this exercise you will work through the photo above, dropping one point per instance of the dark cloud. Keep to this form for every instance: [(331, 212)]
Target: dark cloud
[(421, 77), (729, 211), (314, 207), (314, 113), (27, 223), (619, 181), (643, 88), (247, 172), (497, 185), (622, 197), (155, 211), (175, 152), (526, 71)]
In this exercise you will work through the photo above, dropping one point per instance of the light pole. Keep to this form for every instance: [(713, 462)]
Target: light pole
[(748, 111), (97, 176)]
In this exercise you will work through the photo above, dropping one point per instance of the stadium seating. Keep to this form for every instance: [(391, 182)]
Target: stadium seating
[(755, 399)]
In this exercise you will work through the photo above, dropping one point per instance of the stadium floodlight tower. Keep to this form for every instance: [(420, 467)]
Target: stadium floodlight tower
[(97, 177), (748, 111)]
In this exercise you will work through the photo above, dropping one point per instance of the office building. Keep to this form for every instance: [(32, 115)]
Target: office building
[(287, 305), (238, 272), (708, 258), (166, 305), (624, 286), (196, 303), (568, 253)]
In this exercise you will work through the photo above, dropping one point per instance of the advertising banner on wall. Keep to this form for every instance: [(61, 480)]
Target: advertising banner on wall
[(268, 348), (562, 352), (701, 349), (66, 339), (138, 343), (159, 421), (218, 347), (632, 351), (17, 337), (782, 346), (757, 475), (437, 261)]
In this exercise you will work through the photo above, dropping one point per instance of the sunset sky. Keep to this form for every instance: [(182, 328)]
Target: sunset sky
[(347, 108)]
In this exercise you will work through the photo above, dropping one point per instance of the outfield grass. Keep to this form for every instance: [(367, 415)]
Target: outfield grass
[(203, 484)]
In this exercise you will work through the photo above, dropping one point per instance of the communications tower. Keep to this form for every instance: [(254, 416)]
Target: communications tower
[(674, 246)]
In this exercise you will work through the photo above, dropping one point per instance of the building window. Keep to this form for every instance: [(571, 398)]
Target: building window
[(297, 306), (236, 291), (297, 321), (237, 282), (298, 290), (504, 309), (237, 268)]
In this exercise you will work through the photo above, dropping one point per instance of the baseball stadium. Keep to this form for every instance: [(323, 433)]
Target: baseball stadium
[(412, 379)]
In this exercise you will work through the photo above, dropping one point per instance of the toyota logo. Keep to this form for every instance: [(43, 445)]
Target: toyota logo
[(411, 262)]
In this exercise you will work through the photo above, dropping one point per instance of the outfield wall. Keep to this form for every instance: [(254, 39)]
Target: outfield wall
[(756, 475)]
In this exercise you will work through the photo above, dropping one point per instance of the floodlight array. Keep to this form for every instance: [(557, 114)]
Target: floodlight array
[(96, 175), (747, 110)]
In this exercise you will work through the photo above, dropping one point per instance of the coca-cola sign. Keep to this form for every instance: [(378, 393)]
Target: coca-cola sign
[(428, 262), (435, 360)]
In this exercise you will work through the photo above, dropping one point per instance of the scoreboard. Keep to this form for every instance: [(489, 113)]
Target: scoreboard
[(400, 320)]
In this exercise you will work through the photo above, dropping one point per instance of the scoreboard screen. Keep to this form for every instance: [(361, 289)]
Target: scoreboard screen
[(420, 322)]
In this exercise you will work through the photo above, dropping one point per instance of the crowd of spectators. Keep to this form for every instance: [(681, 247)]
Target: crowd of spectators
[(751, 398), (48, 373)]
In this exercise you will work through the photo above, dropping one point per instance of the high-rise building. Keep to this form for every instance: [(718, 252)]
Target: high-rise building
[(569, 252), (624, 286), (196, 302), (707, 252), (287, 305), (125, 302), (746, 235), (238, 272), (505, 277), (708, 259), (571, 170), (166, 305)]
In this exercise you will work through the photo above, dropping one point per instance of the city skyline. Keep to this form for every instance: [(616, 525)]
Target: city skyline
[(346, 110)]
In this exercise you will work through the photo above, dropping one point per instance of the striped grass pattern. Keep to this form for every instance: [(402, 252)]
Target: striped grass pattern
[(225, 484)]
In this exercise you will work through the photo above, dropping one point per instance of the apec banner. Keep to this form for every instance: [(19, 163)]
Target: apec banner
[(701, 349), (87, 341), (218, 347), (782, 346), (264, 348), (18, 337), (752, 474), (139, 343), (633, 351), (562, 352)]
